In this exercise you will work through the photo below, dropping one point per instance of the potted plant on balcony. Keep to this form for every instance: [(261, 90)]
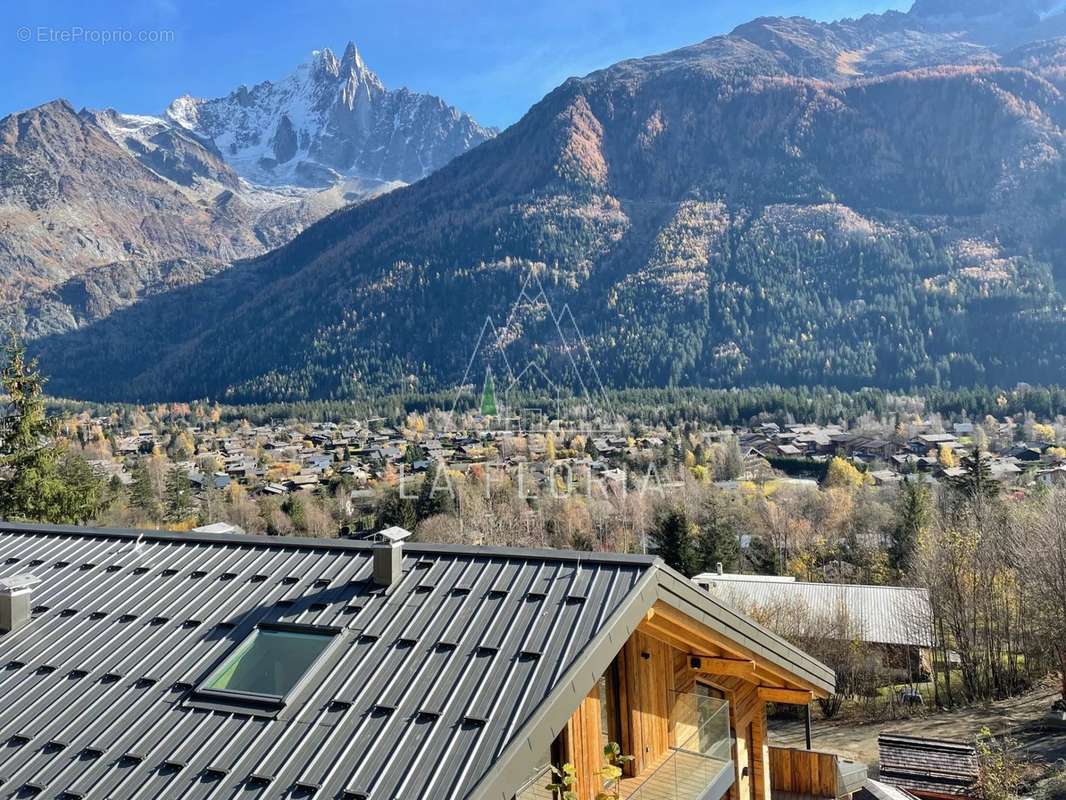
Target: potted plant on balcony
[(562, 788), (612, 771)]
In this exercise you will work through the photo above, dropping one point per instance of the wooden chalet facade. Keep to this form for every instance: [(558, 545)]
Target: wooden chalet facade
[(687, 702)]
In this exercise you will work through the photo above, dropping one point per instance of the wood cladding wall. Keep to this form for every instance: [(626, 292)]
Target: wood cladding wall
[(583, 747), (646, 684)]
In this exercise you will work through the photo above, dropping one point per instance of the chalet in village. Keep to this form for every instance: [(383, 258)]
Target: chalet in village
[(141, 664)]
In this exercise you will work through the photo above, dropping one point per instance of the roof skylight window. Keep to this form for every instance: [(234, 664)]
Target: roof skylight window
[(269, 666)]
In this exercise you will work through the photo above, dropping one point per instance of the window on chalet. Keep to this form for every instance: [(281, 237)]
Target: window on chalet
[(610, 707)]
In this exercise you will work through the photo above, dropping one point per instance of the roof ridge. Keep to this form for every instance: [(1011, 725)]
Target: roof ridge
[(762, 579), (265, 541)]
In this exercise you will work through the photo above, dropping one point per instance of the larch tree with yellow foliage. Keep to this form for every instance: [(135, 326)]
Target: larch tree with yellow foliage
[(1045, 433), (842, 474)]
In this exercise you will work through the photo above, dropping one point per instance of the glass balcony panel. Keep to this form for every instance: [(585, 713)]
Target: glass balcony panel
[(699, 764)]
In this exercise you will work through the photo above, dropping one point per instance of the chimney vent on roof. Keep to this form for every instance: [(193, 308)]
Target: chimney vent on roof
[(718, 568), (388, 556), (16, 601)]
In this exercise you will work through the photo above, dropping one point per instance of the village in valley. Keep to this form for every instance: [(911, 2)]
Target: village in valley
[(359, 458)]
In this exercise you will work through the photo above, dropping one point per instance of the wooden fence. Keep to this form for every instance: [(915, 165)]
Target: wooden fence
[(803, 772)]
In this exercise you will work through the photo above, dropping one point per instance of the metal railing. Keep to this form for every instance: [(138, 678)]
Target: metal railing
[(536, 788)]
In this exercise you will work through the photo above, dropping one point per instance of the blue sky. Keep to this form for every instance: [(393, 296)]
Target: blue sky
[(492, 58)]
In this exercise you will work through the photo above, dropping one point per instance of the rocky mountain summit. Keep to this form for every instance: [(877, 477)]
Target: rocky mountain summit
[(81, 191), (330, 119), (995, 23)]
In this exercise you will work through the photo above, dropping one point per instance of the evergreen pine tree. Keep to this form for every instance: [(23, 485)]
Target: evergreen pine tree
[(915, 511), (394, 509), (976, 481), (42, 483), (177, 496), (294, 508), (142, 493), (433, 496), (413, 453), (717, 542), (675, 540), (488, 396)]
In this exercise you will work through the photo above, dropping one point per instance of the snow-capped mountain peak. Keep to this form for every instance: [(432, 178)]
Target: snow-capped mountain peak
[(327, 120)]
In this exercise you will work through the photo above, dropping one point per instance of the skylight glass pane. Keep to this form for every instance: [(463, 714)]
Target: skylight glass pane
[(269, 662)]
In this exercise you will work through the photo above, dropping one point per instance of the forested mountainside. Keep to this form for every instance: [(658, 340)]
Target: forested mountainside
[(779, 205), (99, 209)]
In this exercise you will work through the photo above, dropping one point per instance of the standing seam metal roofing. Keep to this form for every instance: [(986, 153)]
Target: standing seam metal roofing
[(438, 676), (450, 684)]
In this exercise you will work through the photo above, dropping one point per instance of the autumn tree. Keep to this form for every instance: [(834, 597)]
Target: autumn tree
[(729, 461), (841, 474), (1000, 772), (1045, 576)]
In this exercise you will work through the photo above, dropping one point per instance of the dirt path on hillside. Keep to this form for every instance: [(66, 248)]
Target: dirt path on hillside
[(1018, 717)]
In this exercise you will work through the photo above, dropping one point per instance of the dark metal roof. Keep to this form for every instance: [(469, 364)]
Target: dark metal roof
[(451, 684)]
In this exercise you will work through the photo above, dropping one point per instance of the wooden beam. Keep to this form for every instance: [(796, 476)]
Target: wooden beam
[(795, 697), (769, 679), (662, 631), (700, 636), (738, 668)]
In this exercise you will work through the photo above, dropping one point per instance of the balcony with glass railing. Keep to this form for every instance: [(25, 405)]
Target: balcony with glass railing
[(699, 765)]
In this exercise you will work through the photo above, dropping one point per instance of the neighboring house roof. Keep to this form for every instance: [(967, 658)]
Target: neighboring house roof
[(219, 527), (882, 614), (927, 767), (449, 684)]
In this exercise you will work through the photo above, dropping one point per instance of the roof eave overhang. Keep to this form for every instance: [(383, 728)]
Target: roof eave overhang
[(681, 594)]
